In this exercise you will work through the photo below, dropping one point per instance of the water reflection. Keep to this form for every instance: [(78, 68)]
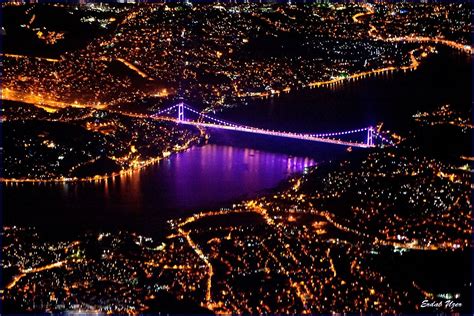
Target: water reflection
[(207, 177), (201, 177)]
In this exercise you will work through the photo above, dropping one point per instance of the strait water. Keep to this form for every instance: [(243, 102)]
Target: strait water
[(236, 166)]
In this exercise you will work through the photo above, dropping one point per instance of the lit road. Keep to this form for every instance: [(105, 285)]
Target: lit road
[(260, 131), (409, 39)]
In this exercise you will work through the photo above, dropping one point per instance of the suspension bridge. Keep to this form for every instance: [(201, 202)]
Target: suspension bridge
[(371, 138)]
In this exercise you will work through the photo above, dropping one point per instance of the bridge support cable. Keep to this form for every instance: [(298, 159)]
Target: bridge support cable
[(214, 119), (383, 139), (301, 134), (321, 137), (279, 134), (341, 133), (167, 110)]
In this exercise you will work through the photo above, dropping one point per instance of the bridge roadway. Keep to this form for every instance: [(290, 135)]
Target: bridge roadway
[(253, 130), (260, 131)]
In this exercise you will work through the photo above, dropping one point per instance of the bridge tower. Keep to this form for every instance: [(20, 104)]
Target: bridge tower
[(370, 136), (181, 111)]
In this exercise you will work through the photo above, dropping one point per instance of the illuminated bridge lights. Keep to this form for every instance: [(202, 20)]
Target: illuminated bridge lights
[(213, 122)]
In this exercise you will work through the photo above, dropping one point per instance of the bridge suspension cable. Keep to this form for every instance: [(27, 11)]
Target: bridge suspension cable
[(167, 110), (322, 137), (383, 139)]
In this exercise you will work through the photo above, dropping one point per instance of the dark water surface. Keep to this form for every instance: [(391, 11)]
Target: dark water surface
[(201, 177), (236, 166), (443, 78)]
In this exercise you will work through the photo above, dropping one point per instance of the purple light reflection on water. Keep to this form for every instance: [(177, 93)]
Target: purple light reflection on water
[(213, 174), (204, 177)]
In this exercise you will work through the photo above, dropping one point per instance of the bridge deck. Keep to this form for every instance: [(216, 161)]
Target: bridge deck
[(260, 131)]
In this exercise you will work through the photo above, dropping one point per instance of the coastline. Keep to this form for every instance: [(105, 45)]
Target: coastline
[(191, 142)]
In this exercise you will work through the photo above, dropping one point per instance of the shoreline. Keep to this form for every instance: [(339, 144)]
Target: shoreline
[(415, 63), (51, 105), (191, 142)]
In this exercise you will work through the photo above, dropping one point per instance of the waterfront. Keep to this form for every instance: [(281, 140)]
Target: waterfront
[(201, 177), (237, 166), (442, 78), (237, 158)]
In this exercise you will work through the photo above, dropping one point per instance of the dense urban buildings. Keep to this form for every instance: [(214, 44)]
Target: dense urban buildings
[(120, 196)]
